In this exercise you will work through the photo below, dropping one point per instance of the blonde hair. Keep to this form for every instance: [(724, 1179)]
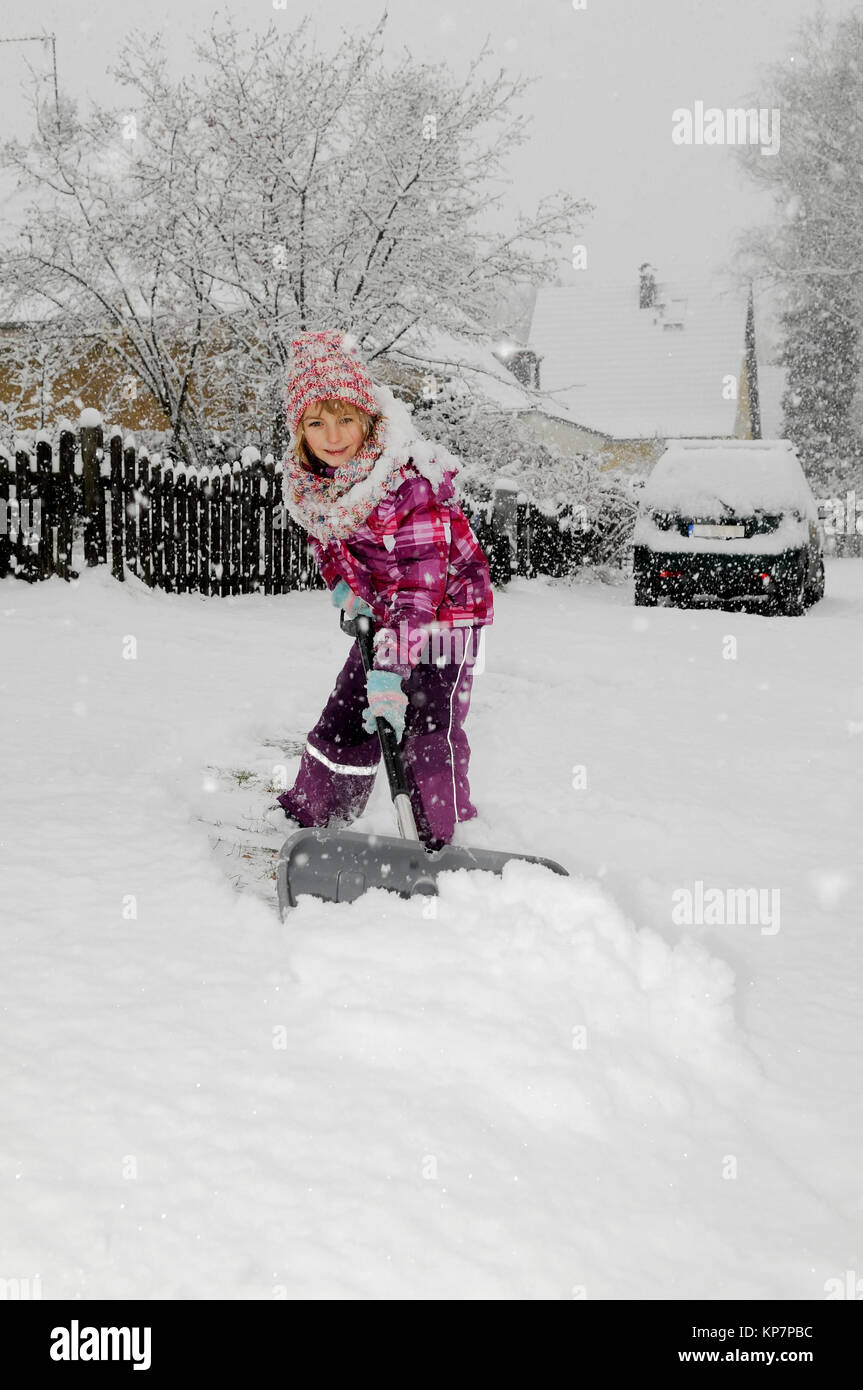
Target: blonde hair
[(332, 407)]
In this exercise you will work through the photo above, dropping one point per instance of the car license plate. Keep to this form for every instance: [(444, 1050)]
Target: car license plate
[(716, 533)]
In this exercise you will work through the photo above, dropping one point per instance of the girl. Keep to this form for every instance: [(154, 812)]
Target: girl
[(390, 540)]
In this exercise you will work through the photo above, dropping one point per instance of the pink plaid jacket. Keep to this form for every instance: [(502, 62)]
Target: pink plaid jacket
[(415, 561)]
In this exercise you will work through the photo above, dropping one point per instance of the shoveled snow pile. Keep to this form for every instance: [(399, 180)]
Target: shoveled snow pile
[(498, 1092)]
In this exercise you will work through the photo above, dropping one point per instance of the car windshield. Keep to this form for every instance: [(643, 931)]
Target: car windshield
[(728, 479)]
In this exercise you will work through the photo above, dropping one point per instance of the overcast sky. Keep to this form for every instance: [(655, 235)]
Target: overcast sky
[(610, 76)]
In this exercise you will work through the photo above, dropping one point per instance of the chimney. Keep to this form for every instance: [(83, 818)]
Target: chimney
[(524, 365), (646, 286)]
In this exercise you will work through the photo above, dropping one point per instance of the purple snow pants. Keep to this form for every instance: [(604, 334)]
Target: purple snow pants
[(338, 766)]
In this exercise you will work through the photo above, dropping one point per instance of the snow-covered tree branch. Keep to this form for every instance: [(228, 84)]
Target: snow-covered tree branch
[(274, 188)]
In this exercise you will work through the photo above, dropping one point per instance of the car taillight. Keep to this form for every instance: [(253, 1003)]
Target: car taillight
[(671, 574), (764, 576)]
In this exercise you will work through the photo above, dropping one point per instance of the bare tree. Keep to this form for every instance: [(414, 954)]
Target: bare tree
[(275, 188)]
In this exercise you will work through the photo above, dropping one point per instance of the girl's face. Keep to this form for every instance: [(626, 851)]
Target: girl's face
[(332, 438)]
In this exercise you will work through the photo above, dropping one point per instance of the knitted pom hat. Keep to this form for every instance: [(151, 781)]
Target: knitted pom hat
[(324, 366)]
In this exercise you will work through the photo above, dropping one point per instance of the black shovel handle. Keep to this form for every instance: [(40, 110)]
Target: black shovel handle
[(363, 629)]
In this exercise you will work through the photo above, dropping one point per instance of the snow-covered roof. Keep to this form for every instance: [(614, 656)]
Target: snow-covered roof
[(697, 477), (627, 372)]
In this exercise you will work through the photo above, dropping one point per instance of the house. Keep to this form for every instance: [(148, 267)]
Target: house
[(48, 371), (614, 371), (623, 369)]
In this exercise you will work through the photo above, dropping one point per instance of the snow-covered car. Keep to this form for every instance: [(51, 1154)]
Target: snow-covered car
[(729, 521)]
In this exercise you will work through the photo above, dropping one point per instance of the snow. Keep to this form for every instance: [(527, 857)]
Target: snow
[(695, 478), (89, 419), (531, 1087)]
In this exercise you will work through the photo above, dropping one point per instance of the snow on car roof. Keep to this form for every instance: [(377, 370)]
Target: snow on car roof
[(746, 475)]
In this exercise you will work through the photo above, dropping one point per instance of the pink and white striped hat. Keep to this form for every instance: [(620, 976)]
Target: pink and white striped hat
[(324, 366)]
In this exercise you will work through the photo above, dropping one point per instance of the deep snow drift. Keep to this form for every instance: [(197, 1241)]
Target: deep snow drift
[(531, 1088)]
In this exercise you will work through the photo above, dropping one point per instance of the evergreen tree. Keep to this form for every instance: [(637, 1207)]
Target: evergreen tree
[(820, 352), (812, 251)]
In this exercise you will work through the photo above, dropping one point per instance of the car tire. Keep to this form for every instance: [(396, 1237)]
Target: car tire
[(815, 591), (644, 596), (794, 602)]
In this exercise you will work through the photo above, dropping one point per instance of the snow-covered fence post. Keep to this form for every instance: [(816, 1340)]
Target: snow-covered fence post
[(296, 551), (216, 569), (224, 578), (168, 525), (118, 510), (504, 522), (19, 484), (45, 488), (90, 428), (204, 495), (244, 525), (181, 529), (280, 514), (156, 541), (65, 498), (193, 506), (269, 501), (5, 489), (315, 581), (291, 578), (236, 500), (522, 532), (250, 521), (216, 566), (130, 503), (25, 564), (304, 564), (102, 507), (145, 548)]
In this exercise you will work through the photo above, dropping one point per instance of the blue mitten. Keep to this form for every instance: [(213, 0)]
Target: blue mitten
[(387, 701), (352, 607)]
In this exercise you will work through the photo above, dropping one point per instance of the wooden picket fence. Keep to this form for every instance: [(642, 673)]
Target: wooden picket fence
[(217, 529)]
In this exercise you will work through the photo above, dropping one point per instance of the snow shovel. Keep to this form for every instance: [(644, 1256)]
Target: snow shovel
[(340, 865)]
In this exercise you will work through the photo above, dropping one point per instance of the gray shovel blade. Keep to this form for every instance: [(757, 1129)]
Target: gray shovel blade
[(339, 865)]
